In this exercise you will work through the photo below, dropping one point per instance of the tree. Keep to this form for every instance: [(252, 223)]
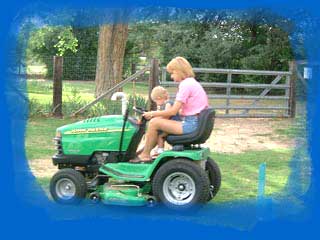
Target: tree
[(49, 41), (82, 65), (111, 49)]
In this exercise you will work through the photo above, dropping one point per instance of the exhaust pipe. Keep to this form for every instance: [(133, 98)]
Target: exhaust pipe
[(123, 100)]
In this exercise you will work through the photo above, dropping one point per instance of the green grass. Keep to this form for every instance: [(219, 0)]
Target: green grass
[(36, 69), (77, 94), (42, 90), (39, 135), (291, 131), (240, 173)]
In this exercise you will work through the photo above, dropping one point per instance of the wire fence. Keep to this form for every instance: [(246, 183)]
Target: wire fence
[(84, 70), (75, 68)]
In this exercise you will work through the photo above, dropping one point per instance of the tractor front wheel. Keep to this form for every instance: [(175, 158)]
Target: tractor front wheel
[(68, 186)]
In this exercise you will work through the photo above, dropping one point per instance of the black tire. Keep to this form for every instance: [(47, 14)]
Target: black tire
[(214, 175), (68, 186), (181, 184)]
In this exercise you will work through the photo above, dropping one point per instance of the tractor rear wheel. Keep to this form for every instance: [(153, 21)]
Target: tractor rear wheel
[(181, 184), (214, 175), (68, 186)]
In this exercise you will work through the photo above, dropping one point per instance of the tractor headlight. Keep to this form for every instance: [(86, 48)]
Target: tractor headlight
[(57, 142), (58, 134)]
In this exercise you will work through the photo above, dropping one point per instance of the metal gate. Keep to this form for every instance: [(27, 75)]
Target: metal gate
[(232, 103)]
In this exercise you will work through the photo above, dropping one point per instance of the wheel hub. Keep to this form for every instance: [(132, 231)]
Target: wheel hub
[(65, 188), (179, 188)]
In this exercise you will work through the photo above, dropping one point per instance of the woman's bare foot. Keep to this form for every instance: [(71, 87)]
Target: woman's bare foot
[(141, 159)]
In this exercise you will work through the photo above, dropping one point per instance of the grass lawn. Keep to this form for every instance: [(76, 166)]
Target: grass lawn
[(39, 135), (41, 90), (240, 174)]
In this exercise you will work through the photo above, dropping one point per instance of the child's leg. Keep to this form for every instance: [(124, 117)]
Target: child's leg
[(160, 141), (141, 146)]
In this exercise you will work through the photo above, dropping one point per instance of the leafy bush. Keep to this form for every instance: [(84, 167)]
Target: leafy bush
[(37, 108), (139, 100), (74, 101)]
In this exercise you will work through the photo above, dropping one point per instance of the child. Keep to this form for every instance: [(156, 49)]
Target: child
[(160, 96)]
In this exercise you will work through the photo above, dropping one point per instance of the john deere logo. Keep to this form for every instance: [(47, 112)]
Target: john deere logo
[(91, 130)]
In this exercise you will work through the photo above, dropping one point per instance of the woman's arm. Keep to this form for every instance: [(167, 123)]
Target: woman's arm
[(167, 107), (165, 113)]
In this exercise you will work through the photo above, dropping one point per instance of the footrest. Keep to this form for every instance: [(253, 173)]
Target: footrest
[(127, 171)]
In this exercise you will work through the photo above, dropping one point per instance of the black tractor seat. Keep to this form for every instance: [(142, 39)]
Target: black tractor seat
[(199, 136)]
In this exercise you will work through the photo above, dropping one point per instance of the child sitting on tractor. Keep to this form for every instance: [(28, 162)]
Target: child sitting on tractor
[(160, 96)]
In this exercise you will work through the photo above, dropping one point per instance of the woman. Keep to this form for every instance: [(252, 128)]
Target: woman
[(191, 99)]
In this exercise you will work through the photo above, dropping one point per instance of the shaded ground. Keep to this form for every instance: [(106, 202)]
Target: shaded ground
[(228, 136)]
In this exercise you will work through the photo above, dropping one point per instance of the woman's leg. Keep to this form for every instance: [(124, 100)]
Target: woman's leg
[(155, 124)]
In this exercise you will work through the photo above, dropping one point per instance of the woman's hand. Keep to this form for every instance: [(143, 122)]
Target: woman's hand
[(148, 115)]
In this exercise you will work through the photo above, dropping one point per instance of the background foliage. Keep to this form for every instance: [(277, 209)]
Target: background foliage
[(253, 39)]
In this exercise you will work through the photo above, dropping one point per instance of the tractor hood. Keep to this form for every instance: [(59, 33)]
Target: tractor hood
[(95, 125), (95, 134)]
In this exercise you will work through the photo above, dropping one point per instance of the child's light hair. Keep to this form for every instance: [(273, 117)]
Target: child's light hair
[(181, 66), (159, 93)]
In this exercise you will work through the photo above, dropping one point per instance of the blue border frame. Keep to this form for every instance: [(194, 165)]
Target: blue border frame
[(26, 213)]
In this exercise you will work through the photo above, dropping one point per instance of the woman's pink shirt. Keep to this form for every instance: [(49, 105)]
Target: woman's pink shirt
[(193, 97)]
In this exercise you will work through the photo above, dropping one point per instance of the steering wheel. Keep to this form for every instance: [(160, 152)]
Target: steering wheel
[(139, 110)]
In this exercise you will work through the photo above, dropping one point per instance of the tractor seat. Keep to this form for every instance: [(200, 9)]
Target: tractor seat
[(200, 135)]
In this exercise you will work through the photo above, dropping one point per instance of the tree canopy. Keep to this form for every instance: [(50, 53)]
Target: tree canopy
[(253, 39)]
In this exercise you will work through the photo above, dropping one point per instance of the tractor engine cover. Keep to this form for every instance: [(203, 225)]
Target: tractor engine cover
[(95, 134)]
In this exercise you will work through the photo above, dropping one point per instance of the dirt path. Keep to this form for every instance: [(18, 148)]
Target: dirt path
[(228, 136), (240, 135)]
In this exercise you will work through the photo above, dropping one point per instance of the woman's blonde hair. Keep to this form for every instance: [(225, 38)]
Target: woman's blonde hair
[(181, 66), (159, 93)]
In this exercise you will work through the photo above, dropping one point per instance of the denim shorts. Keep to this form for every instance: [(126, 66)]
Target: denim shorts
[(189, 123)]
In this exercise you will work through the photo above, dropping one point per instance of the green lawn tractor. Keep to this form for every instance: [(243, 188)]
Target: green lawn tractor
[(93, 160)]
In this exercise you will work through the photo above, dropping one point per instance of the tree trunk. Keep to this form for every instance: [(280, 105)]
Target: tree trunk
[(111, 48)]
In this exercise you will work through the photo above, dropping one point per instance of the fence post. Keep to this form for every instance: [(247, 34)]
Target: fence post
[(57, 86), (133, 68), (229, 79), (153, 81), (292, 94), (163, 75)]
